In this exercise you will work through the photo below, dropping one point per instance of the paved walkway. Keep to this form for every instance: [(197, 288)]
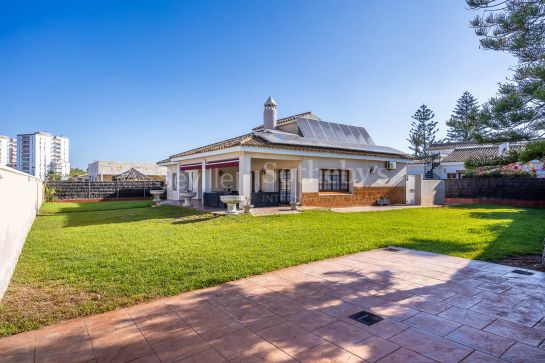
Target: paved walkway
[(435, 308)]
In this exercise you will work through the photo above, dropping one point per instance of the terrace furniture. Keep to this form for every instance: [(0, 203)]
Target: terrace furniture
[(212, 199), (265, 199)]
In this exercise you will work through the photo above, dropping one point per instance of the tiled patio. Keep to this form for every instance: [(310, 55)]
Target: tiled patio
[(435, 308)]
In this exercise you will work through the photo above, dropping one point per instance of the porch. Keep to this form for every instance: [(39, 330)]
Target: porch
[(267, 182)]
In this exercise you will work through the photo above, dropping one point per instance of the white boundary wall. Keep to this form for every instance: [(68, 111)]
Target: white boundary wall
[(21, 196)]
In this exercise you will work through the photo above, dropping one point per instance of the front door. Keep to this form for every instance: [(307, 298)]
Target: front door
[(285, 186)]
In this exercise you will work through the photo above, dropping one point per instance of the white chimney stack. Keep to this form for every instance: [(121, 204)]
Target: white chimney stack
[(269, 114)]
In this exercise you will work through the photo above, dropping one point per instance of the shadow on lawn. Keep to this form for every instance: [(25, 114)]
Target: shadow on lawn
[(300, 312), (129, 215)]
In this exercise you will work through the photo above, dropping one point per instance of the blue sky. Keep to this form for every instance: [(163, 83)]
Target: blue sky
[(140, 80)]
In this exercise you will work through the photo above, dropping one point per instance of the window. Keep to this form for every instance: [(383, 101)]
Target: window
[(452, 176), (174, 181), (334, 180)]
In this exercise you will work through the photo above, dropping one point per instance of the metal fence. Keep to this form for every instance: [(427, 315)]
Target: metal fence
[(103, 189)]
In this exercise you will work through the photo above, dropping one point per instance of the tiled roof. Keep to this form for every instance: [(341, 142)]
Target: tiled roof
[(256, 141), (451, 145), (463, 154)]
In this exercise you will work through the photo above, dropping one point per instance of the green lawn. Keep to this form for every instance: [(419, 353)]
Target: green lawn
[(84, 258)]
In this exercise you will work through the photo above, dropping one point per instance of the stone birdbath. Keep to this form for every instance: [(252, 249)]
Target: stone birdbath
[(157, 196), (232, 201), (187, 195)]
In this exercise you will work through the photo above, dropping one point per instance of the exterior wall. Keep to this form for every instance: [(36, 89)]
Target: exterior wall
[(365, 186), (369, 179), (449, 168), (107, 169), (21, 196), (432, 192), (171, 194)]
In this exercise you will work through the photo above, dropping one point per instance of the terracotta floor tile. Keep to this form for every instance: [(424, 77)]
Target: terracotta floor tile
[(311, 319), (464, 302), (404, 355), (517, 332), (19, 344), (372, 349), (147, 311), (479, 357), (385, 328), (61, 336), (232, 346), (162, 327), (108, 322), (186, 344), (431, 346), (502, 299), (507, 313), (76, 352), (206, 356), (467, 317), (121, 345), (522, 353), (432, 324), (394, 311), (327, 353), (264, 352), (215, 330), (485, 342), (18, 358), (290, 338), (343, 334), (283, 306), (147, 359)]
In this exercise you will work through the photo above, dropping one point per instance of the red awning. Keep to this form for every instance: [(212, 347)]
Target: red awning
[(191, 167), (221, 164)]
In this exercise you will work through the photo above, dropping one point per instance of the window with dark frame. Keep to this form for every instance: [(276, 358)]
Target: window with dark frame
[(334, 180)]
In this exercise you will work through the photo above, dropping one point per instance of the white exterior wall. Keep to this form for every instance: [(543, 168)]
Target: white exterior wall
[(305, 170), (21, 197)]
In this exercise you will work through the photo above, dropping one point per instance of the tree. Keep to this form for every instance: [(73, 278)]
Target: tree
[(52, 175), (423, 131), (517, 27), (75, 172), (464, 124)]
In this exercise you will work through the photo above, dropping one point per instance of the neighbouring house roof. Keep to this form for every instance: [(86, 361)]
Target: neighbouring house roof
[(131, 174), (451, 145), (277, 139), (117, 167), (460, 155)]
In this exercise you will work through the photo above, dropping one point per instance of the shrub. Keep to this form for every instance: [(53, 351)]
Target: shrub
[(534, 150), (50, 193), (511, 157)]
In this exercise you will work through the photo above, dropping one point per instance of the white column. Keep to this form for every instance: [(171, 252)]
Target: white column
[(178, 177), (203, 180), (244, 177)]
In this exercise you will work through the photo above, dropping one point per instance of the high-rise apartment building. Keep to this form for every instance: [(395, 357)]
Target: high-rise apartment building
[(40, 152), (8, 151)]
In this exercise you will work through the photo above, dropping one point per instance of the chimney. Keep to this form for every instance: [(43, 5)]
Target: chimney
[(269, 114)]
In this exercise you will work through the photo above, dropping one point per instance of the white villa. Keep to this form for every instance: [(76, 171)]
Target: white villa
[(300, 158)]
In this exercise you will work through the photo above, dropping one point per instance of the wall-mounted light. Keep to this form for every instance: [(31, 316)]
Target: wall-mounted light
[(372, 169), (220, 173), (262, 171)]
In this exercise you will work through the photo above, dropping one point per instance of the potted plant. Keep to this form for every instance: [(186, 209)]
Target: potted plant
[(382, 200)]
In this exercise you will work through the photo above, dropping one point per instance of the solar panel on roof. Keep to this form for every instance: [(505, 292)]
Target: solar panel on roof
[(317, 128), (329, 133), (338, 132), (356, 132), (305, 128)]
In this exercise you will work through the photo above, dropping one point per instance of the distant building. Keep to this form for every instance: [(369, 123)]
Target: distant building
[(447, 160), (109, 170), (8, 151), (40, 152)]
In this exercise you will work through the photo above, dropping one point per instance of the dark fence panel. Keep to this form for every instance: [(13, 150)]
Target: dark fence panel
[(104, 189), (527, 189)]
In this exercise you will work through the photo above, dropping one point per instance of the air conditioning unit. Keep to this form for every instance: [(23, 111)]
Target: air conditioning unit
[(391, 165)]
